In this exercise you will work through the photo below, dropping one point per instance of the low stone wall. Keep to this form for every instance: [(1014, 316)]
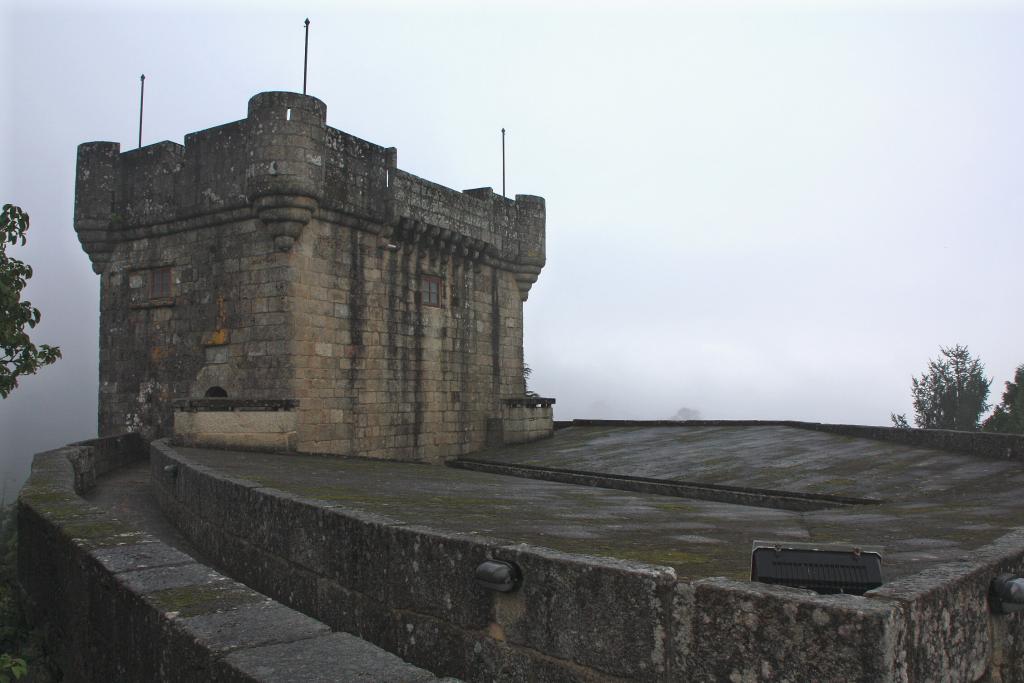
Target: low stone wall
[(410, 589), (119, 605), (975, 443), (766, 498), (236, 423), (526, 419)]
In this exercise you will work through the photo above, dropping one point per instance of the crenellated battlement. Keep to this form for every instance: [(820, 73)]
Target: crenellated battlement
[(284, 165)]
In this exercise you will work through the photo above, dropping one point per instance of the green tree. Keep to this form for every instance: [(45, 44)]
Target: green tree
[(951, 393), (1008, 417), (18, 355)]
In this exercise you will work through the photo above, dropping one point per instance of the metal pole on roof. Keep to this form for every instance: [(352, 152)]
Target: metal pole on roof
[(305, 58), (142, 97), (502, 163)]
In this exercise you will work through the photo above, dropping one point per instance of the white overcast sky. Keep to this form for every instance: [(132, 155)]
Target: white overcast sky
[(755, 209)]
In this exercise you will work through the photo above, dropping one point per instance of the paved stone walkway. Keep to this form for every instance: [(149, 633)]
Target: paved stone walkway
[(126, 492)]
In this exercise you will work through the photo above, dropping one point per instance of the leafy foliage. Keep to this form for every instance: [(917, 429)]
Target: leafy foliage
[(18, 355), (11, 666), (527, 371), (951, 394), (1008, 417)]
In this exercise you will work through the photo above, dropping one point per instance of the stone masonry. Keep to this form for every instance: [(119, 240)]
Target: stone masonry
[(279, 258)]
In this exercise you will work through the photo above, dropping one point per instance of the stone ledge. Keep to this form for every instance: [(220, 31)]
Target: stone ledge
[(528, 402), (767, 498), (232, 404)]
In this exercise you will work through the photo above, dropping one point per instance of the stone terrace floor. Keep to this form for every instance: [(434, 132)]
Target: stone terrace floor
[(937, 505)]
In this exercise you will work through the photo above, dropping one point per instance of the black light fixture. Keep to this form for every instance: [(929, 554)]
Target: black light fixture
[(1006, 594), (498, 575), (825, 569)]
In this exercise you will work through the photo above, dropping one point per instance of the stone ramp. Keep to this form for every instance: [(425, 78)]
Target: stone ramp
[(127, 494)]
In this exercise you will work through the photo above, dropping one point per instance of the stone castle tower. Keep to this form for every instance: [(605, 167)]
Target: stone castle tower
[(278, 263)]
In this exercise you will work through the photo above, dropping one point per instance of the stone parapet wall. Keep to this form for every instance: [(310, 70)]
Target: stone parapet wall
[(526, 420), (116, 604), (232, 423), (949, 632), (579, 618)]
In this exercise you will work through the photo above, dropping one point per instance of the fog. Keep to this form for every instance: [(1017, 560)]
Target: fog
[(755, 210)]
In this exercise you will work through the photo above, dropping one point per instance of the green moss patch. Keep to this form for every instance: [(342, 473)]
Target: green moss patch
[(191, 601)]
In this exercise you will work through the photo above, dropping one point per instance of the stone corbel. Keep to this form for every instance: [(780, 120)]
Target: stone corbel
[(285, 216), (525, 276), (97, 241)]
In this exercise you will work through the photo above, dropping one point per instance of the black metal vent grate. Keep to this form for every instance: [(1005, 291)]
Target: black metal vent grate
[(824, 571)]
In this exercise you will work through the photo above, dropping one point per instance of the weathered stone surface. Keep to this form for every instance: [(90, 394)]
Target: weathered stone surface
[(326, 659), (597, 612), (251, 625), (950, 630), (155, 579), (142, 556), (753, 632), (264, 430), (431, 573)]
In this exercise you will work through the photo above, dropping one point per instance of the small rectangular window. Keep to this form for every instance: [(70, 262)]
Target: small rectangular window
[(431, 290), (160, 283)]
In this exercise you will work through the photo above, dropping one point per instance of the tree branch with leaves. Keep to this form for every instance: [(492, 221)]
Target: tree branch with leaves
[(18, 355)]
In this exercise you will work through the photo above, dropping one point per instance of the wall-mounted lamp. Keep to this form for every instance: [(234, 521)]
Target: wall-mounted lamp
[(1006, 594), (388, 246), (171, 470), (497, 575)]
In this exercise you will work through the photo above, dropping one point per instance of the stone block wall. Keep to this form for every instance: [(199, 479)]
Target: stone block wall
[(526, 420), (380, 373), (225, 323), (231, 423)]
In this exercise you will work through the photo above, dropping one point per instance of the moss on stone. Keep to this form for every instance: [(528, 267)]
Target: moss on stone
[(101, 532), (190, 601)]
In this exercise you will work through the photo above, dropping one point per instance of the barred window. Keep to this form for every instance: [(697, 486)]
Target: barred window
[(160, 283), (431, 289)]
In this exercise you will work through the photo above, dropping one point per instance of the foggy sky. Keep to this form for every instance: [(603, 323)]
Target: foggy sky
[(775, 213)]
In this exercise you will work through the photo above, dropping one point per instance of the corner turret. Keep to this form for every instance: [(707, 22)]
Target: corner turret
[(285, 172), (95, 195)]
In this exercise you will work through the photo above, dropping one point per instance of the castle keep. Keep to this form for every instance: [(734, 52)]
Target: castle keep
[(276, 262)]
